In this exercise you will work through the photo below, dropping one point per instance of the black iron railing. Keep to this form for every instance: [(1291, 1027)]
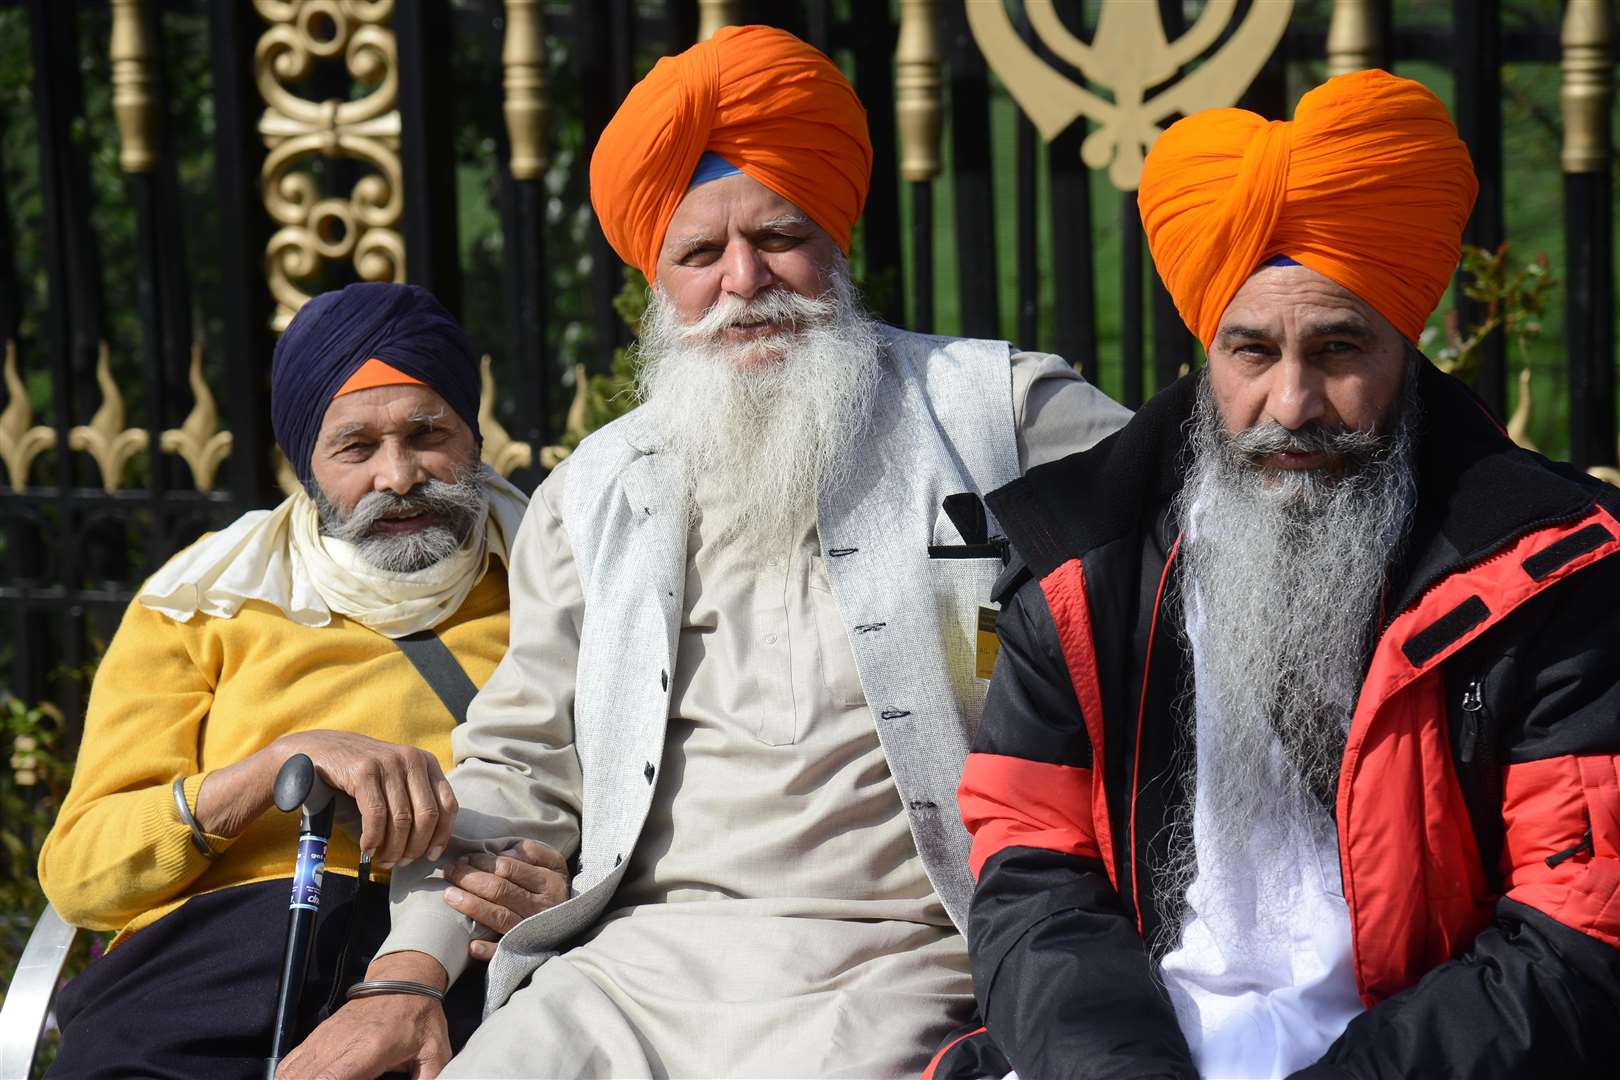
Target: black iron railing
[(74, 551)]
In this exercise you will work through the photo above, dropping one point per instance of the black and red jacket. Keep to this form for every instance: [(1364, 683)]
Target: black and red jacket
[(1478, 808)]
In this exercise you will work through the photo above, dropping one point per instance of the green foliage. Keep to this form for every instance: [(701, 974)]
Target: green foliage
[(32, 785), (631, 303), (33, 781), (1515, 301), (604, 398)]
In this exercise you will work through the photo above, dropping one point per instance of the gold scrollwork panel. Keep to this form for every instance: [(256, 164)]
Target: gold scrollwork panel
[(363, 226)]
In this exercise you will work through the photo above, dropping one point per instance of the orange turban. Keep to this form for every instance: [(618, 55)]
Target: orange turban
[(760, 98), (1369, 186)]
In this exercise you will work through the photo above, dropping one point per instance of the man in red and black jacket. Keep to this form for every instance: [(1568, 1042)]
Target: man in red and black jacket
[(1302, 751)]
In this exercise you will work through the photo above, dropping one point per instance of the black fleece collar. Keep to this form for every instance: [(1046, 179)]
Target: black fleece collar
[(1477, 489)]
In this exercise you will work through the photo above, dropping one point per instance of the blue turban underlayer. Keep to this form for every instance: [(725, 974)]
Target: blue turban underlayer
[(335, 333), (711, 166)]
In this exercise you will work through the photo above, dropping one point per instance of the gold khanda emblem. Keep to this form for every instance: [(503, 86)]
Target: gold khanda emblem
[(1128, 55)]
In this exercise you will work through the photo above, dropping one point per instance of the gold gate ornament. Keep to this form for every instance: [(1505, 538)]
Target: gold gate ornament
[(198, 440), (1128, 55), (363, 226), (501, 452), (21, 440), (105, 438)]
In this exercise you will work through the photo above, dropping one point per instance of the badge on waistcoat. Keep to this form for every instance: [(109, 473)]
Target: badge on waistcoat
[(988, 645)]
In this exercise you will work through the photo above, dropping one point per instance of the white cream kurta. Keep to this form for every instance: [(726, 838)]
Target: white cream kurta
[(775, 919), (1262, 980)]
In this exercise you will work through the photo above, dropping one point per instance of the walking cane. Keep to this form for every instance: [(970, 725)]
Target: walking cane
[(298, 785)]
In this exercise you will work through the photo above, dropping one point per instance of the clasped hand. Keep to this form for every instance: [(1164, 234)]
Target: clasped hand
[(407, 811)]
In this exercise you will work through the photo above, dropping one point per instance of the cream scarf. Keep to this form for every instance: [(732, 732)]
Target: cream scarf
[(280, 557)]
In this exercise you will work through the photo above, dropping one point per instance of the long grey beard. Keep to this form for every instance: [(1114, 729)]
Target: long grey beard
[(1283, 573), (764, 427)]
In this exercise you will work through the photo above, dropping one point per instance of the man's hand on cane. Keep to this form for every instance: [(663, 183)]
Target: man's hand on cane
[(406, 806)]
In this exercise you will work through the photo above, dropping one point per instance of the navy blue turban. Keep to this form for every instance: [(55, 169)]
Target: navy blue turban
[(335, 333)]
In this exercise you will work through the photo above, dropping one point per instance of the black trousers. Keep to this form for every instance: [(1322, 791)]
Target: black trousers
[(193, 995)]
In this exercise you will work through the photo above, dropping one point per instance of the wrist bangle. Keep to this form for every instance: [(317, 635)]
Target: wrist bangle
[(374, 987), (198, 838)]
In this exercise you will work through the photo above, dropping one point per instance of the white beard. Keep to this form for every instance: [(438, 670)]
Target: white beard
[(1284, 573), (763, 427)]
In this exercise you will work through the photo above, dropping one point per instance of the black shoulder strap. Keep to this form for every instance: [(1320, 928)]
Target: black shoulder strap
[(440, 669)]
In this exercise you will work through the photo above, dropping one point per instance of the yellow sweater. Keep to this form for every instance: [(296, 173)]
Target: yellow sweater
[(172, 700)]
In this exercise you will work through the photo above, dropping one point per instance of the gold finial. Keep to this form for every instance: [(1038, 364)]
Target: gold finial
[(523, 63), (919, 112), (20, 441), (502, 453), (134, 107), (574, 425), (1352, 39), (1607, 473), (198, 440), (105, 438), (286, 479), (1587, 90), (1518, 429), (1518, 425), (714, 14)]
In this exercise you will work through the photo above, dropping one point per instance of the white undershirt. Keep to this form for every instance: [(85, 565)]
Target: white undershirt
[(1262, 980)]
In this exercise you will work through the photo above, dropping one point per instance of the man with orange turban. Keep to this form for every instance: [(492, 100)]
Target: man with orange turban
[(747, 613), (1300, 756)]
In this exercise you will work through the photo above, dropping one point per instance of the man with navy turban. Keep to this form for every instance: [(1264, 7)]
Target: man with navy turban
[(286, 633)]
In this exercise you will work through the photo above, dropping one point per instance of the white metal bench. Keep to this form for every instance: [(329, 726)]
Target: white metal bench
[(29, 995)]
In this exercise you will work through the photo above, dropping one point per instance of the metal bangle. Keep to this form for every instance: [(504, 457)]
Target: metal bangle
[(373, 987), (198, 837)]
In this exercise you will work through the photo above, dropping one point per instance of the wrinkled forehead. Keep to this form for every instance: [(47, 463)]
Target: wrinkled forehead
[(386, 409), (736, 202), (1287, 299)]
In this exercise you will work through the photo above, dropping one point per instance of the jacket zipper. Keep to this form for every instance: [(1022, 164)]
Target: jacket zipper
[(1473, 707)]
